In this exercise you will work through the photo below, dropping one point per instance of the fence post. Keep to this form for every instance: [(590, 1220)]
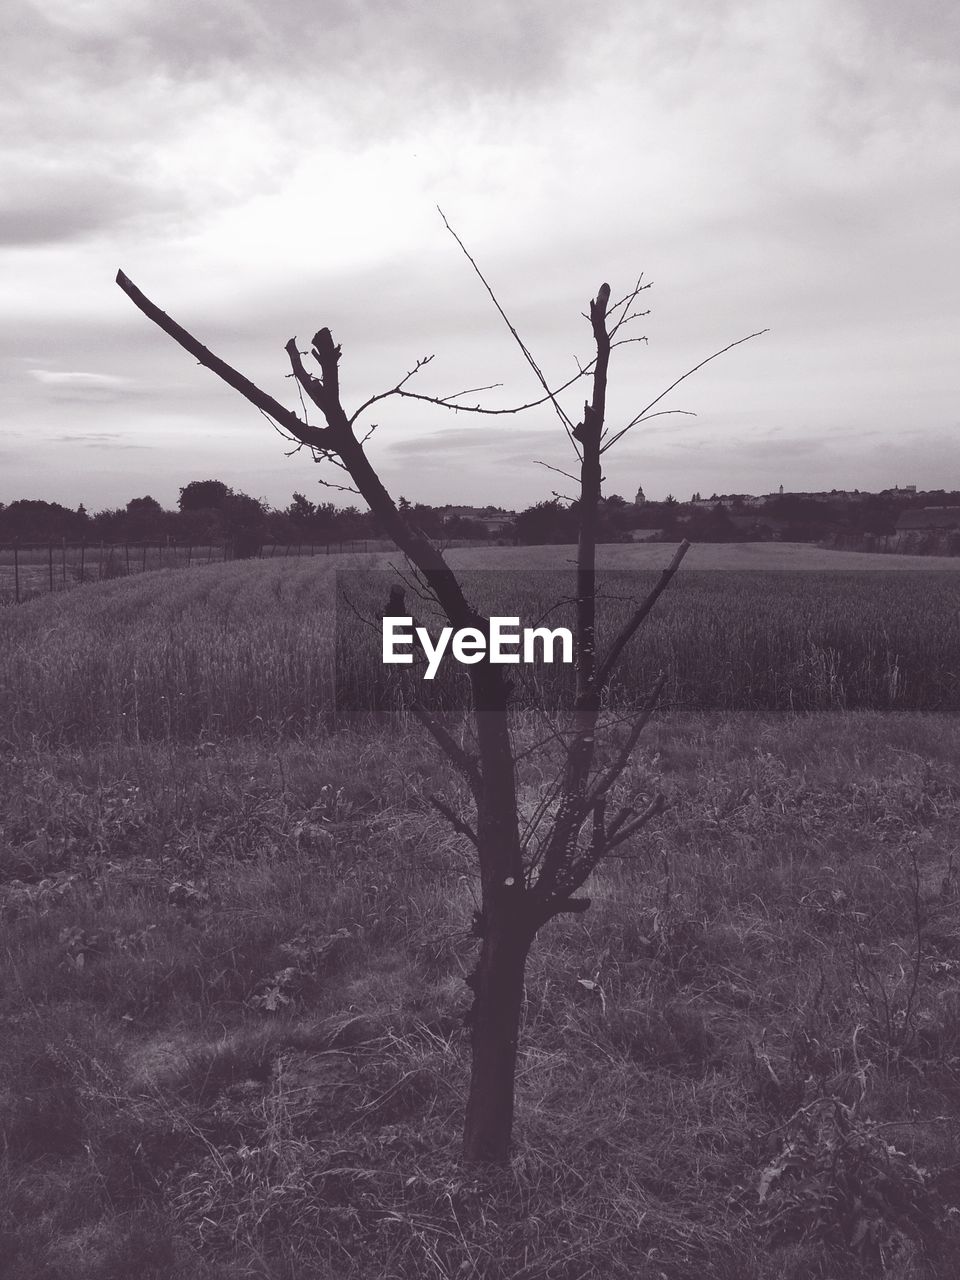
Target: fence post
[(63, 562), (143, 561), (83, 556), (100, 565), (126, 556), (16, 571), (50, 563)]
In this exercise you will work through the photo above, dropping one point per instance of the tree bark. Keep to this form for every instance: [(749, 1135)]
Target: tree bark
[(497, 984)]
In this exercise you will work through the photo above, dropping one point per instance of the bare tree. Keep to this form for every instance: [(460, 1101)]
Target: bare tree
[(528, 875)]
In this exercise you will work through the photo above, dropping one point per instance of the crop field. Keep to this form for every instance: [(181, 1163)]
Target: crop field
[(235, 934), (30, 571), (757, 640), (273, 648)]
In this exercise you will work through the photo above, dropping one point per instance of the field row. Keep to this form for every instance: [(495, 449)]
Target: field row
[(271, 648)]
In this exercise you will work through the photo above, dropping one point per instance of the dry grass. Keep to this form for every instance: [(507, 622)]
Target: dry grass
[(744, 556), (232, 1008), (756, 641)]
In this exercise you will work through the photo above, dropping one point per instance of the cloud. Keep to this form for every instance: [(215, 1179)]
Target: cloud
[(80, 386), (503, 440), (262, 169), (110, 440), (498, 44), (53, 200)]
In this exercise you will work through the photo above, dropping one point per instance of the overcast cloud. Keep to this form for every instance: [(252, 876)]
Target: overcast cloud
[(260, 170)]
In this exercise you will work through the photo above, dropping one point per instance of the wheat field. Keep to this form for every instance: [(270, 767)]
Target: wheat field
[(273, 648)]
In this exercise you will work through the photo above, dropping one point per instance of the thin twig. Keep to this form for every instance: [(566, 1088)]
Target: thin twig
[(683, 377), (551, 396)]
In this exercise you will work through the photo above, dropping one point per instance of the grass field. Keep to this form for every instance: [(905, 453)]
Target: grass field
[(785, 556), (247, 648), (27, 572), (231, 985)]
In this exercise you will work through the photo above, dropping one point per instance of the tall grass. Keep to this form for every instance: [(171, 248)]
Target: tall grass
[(745, 641), (232, 997), (268, 648), (239, 648)]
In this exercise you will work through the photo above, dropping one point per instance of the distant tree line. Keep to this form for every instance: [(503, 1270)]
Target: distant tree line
[(789, 517), (210, 511)]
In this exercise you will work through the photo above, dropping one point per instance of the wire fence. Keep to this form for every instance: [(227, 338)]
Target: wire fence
[(31, 569)]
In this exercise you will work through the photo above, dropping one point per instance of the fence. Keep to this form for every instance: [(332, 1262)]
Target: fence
[(32, 569)]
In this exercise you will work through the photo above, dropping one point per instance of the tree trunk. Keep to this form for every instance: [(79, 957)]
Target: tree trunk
[(497, 983)]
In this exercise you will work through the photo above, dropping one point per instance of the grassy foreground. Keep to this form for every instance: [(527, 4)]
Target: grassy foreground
[(231, 1005)]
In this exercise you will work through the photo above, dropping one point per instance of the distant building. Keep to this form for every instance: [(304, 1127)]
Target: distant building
[(495, 525), (929, 518), (819, 495), (640, 499), (494, 519)]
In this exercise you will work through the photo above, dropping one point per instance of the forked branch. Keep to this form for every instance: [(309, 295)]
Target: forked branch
[(316, 437)]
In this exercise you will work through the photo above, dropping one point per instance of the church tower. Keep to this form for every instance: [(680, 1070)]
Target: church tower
[(639, 500)]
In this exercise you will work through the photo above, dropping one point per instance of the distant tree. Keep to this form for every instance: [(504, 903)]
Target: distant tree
[(301, 510), (201, 495), (146, 504), (714, 525), (876, 515), (243, 521), (33, 520), (464, 527), (325, 517), (110, 525), (144, 519), (547, 522), (200, 527), (429, 520)]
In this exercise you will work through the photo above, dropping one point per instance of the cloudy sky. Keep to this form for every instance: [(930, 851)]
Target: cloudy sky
[(260, 170)]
